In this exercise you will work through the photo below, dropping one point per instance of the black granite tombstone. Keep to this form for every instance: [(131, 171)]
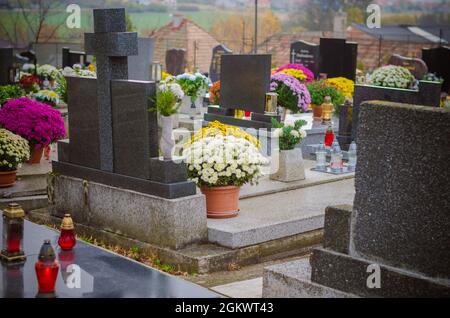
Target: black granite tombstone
[(438, 62), (245, 80), (6, 62), (69, 58), (417, 67), (176, 61), (427, 95), (113, 136), (217, 52), (306, 53), (338, 58)]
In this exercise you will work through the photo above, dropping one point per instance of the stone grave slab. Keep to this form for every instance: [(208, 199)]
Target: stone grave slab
[(103, 274), (176, 61), (139, 65), (416, 66), (215, 69), (308, 54), (438, 62), (428, 95)]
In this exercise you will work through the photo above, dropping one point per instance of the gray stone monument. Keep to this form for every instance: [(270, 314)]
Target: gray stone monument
[(139, 65), (176, 61), (216, 61), (69, 58), (394, 241), (417, 67), (113, 152)]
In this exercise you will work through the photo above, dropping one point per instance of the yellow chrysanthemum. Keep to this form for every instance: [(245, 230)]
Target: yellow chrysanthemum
[(92, 68), (165, 75), (344, 85), (298, 74)]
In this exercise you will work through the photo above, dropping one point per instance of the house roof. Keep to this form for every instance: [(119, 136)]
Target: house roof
[(404, 33)]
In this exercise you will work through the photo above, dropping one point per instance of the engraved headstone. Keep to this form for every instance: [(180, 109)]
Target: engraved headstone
[(176, 61), (438, 62), (417, 67), (217, 52), (307, 54)]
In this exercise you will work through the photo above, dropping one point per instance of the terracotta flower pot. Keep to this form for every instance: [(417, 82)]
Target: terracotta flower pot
[(7, 178), (36, 156), (222, 202), (317, 112)]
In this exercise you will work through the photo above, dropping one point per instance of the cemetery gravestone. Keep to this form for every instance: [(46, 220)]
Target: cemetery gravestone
[(438, 62), (417, 67), (338, 58), (398, 227), (139, 65), (113, 152), (69, 58), (6, 62), (307, 54), (176, 61), (428, 95), (218, 51)]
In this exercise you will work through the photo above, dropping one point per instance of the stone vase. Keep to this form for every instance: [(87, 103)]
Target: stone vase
[(290, 166), (167, 143), (186, 103)]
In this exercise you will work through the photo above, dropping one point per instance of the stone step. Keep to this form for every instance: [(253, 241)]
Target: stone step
[(293, 280), (279, 215)]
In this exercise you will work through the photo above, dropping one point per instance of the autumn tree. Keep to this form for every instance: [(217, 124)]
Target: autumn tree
[(237, 31)]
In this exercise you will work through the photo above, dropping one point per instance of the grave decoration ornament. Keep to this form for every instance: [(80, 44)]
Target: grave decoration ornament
[(168, 98), (12, 249), (220, 163), (319, 90), (14, 150), (47, 268), (36, 122), (67, 239), (290, 163)]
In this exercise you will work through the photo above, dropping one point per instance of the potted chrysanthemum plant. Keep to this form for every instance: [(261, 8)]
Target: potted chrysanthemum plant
[(38, 123), (167, 104), (195, 87), (14, 150), (289, 167), (220, 164)]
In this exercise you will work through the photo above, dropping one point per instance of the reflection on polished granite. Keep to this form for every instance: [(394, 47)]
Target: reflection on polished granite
[(103, 274)]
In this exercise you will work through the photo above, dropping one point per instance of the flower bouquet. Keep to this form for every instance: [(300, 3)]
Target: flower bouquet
[(290, 159), (30, 83), (8, 92), (36, 122), (47, 97), (321, 89), (47, 71), (220, 165), (168, 97), (299, 71), (80, 70), (195, 87), (392, 76), (14, 150), (214, 93), (292, 94)]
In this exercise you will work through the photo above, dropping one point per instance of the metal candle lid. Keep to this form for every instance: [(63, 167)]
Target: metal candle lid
[(14, 211), (67, 223), (47, 252)]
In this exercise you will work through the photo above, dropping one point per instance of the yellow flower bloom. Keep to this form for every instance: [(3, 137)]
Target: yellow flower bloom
[(165, 75), (298, 74), (92, 68), (344, 85)]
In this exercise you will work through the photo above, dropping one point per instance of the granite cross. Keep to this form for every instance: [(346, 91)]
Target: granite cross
[(111, 45)]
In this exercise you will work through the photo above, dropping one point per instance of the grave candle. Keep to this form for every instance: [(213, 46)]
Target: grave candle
[(336, 163), (321, 158), (67, 238), (13, 217), (329, 137), (47, 269)]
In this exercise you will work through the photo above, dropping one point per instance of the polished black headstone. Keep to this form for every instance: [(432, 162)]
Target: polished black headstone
[(6, 61), (438, 62), (84, 149), (135, 129), (338, 58), (176, 61), (103, 274), (69, 58), (245, 80), (217, 52), (307, 54)]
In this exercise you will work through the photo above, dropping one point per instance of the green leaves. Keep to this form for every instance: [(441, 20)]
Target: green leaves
[(10, 92), (166, 103)]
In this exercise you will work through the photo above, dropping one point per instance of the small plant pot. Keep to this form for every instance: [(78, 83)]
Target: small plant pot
[(222, 202), (317, 112), (290, 166), (36, 156), (7, 178)]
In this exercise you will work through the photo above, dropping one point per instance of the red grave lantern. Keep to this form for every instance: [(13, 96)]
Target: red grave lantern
[(47, 270), (13, 219), (67, 239)]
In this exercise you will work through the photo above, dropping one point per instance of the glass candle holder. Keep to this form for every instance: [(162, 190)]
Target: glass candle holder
[(67, 239), (47, 269), (13, 220)]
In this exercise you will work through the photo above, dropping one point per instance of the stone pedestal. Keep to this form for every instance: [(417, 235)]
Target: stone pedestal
[(289, 167), (167, 223)]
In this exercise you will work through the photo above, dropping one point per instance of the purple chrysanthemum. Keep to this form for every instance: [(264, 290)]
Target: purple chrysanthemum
[(299, 90), (309, 74)]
